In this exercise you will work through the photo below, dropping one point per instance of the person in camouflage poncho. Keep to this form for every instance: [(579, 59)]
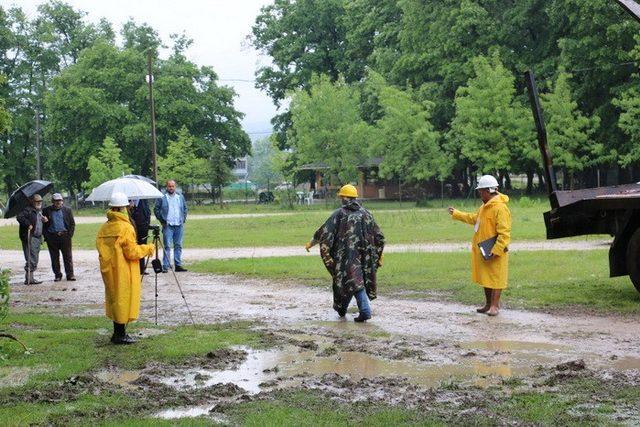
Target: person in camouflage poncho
[(351, 246)]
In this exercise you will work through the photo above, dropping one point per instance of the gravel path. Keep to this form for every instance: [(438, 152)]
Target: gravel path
[(14, 259), (100, 219)]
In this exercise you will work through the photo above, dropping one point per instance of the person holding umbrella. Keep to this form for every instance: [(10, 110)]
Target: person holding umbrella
[(58, 232), (119, 255), (31, 225), (351, 246), (140, 215)]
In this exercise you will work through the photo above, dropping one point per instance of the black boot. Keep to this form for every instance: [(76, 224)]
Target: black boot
[(361, 318), (120, 336)]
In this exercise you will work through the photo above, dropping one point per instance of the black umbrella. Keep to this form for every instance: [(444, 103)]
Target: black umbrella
[(20, 198)]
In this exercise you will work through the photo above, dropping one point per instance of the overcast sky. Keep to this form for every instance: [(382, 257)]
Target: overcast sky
[(218, 28)]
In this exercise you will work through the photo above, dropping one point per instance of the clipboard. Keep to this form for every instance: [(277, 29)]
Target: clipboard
[(486, 246)]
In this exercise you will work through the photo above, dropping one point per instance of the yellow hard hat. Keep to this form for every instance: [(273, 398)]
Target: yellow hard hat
[(348, 191)]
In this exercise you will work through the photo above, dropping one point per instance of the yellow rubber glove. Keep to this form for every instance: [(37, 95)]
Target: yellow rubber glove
[(308, 246)]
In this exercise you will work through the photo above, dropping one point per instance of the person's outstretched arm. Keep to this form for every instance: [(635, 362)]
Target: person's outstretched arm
[(469, 218)]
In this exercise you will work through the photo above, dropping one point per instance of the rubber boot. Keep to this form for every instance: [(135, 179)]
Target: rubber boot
[(120, 336)]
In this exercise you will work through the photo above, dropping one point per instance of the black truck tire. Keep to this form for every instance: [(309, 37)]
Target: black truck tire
[(633, 259)]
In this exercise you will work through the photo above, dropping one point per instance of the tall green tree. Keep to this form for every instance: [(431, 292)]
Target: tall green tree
[(107, 164), (408, 144), (491, 129), (327, 127), (595, 41), (181, 162), (219, 171), (570, 132), (105, 92), (32, 51), (303, 38)]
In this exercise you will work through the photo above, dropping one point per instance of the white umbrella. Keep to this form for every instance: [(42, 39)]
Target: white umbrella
[(133, 188), (144, 178)]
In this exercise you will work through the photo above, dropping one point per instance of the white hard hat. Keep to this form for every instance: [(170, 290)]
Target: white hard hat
[(487, 181), (119, 200)]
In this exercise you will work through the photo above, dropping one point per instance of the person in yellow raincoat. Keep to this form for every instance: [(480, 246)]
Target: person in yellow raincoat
[(493, 219), (119, 264)]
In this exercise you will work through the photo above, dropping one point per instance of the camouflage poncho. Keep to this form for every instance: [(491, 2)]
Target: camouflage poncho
[(351, 244)]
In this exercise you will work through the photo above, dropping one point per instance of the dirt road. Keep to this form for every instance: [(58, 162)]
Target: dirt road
[(412, 346), (13, 259), (425, 330)]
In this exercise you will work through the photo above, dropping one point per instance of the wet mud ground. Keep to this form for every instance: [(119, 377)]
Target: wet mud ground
[(414, 353)]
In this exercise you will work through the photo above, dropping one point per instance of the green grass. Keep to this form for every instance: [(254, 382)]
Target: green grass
[(311, 408), (508, 405), (406, 226), (62, 348), (65, 346), (319, 205), (537, 280)]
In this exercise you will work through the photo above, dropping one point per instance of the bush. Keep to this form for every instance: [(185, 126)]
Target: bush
[(238, 194), (286, 198)]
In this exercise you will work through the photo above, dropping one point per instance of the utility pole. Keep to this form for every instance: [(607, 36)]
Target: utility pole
[(38, 166), (153, 120)]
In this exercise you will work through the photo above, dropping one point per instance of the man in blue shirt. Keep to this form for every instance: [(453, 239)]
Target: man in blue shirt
[(171, 211), (58, 232)]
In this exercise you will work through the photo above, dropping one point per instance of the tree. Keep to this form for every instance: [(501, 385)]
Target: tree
[(569, 131), (181, 162), (219, 171), (327, 127), (105, 93), (407, 143), (303, 38), (5, 127), (263, 165), (106, 165), (598, 49), (32, 52), (491, 129)]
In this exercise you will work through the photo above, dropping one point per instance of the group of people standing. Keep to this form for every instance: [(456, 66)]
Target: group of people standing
[(351, 247), (56, 225)]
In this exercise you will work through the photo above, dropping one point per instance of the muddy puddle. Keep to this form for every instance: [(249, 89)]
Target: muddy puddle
[(627, 363), (192, 412), (122, 378), (15, 377), (288, 366)]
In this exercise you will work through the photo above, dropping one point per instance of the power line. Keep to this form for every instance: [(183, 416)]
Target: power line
[(237, 80)]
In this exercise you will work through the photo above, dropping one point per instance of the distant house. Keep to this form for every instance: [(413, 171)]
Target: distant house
[(240, 170), (369, 185)]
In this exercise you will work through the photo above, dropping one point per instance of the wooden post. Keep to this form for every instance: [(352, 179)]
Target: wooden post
[(154, 149)]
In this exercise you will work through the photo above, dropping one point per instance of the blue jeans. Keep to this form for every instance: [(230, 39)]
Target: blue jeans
[(363, 303), (172, 234)]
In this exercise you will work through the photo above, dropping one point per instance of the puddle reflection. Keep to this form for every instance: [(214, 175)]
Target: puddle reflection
[(264, 365)]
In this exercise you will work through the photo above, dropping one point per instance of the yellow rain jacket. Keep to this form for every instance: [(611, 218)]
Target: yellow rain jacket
[(493, 218), (119, 264)]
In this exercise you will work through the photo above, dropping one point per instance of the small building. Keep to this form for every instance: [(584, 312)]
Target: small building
[(369, 185), (240, 170)]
